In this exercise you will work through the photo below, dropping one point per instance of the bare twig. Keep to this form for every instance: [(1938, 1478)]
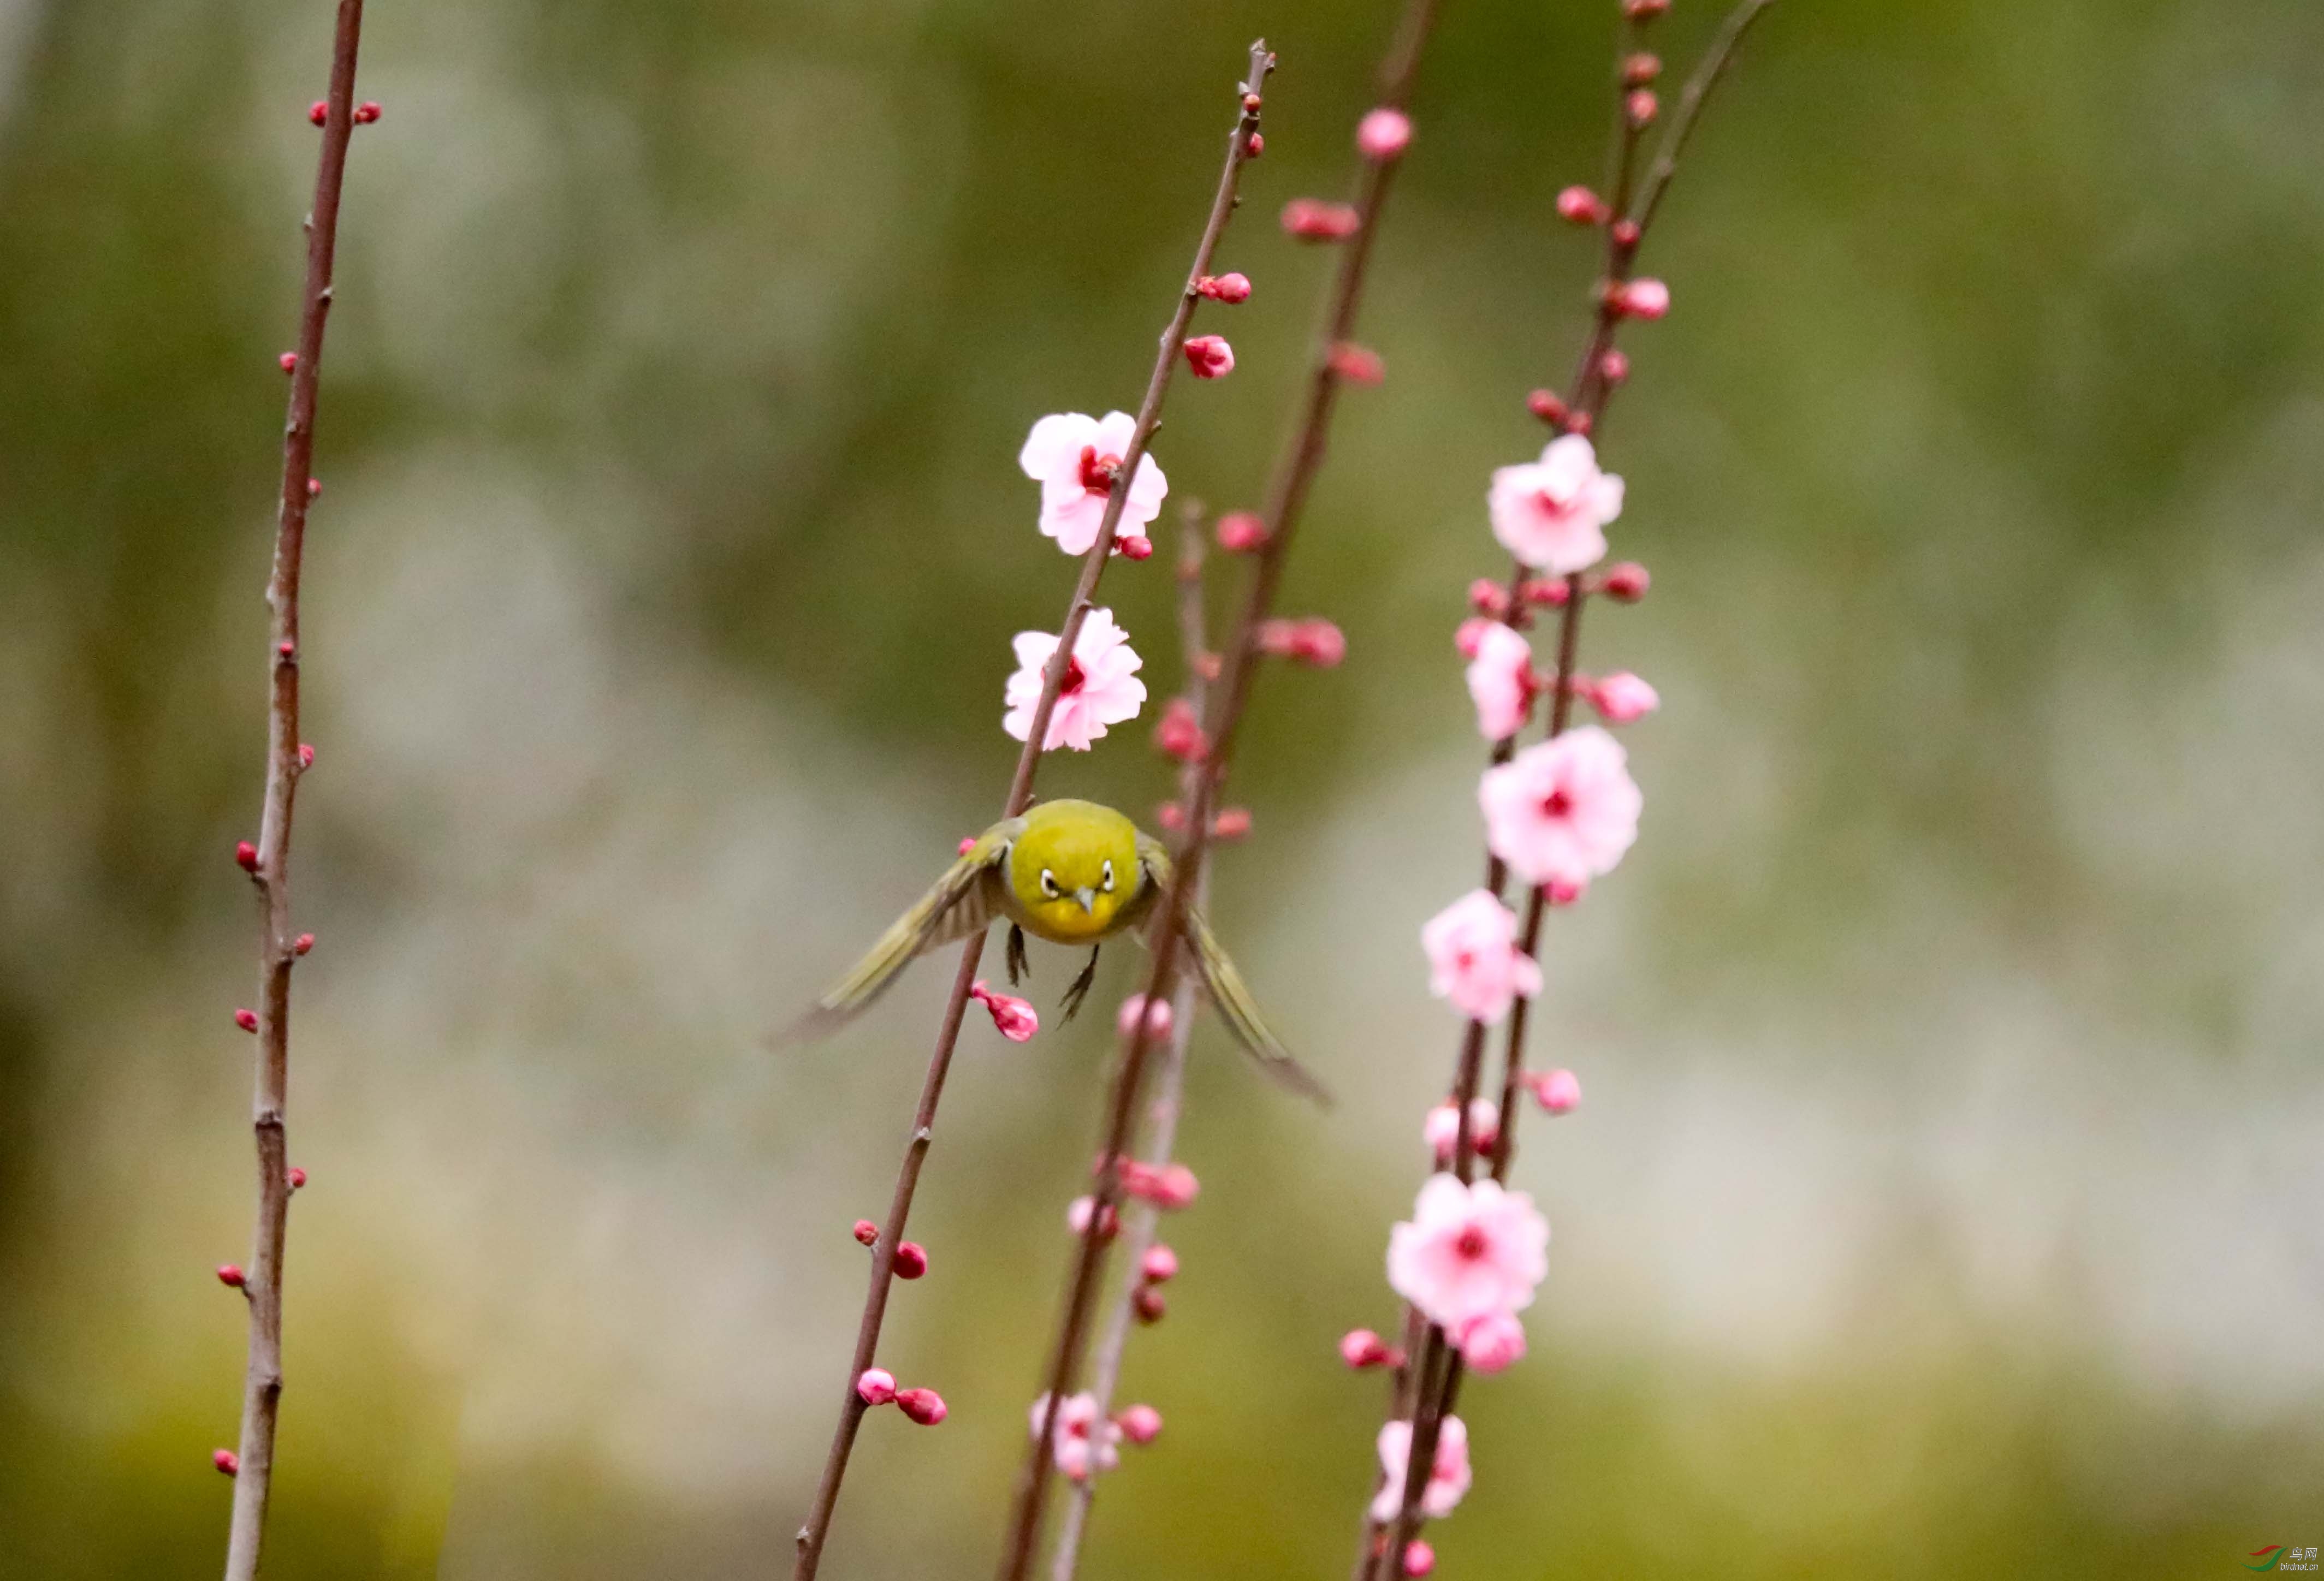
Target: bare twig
[(271, 871), (813, 1535), (1441, 1368), (1294, 474), (1169, 1083)]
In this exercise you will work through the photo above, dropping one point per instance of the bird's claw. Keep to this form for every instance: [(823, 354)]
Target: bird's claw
[(1019, 967), (1079, 989)]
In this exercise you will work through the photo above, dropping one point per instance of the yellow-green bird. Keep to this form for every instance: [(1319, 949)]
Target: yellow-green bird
[(1073, 873)]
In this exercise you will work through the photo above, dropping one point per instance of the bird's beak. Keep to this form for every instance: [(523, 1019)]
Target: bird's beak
[(1088, 897)]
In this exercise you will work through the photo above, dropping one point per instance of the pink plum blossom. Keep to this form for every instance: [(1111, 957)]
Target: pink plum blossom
[(1448, 1479), (1383, 134), (1080, 1441), (1102, 686), (1491, 1342), (1441, 1129), (1563, 811), (1557, 1091), (1075, 458), (1209, 356), (1552, 513), (1014, 1018), (1473, 960), (1140, 1424), (1501, 682), (1622, 697), (1468, 1251)]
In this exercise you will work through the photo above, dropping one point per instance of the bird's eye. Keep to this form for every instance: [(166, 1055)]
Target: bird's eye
[(1049, 884), (1109, 876)]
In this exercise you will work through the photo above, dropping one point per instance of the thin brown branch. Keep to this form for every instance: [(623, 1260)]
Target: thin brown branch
[(1295, 476), (261, 1392), (1169, 1082), (1590, 392), (815, 1532)]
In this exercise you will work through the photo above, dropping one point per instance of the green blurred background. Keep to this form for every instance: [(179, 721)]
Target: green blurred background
[(1946, 1200)]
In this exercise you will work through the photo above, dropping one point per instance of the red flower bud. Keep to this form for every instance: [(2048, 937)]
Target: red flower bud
[(1179, 734), (1149, 1304), (317, 111), (1358, 364), (1581, 207), (967, 844), (1231, 823), (295, 1178), (1549, 591), (1625, 583), (314, 488), (1419, 1559), (1383, 134), (1209, 356), (367, 112), (1159, 1265), (1241, 531), (1255, 147), (1360, 1348), (229, 1274), (1171, 816), (924, 1406), (1624, 233), (1642, 106), (302, 943), (227, 1460), (1132, 545), (1641, 68), (875, 1386), (1614, 367), (306, 756), (1311, 219), (911, 1260), (288, 362), (246, 1019), (1140, 1424), (866, 1232), (245, 856), (1642, 298), (1489, 597), (1643, 10), (1078, 1218), (1229, 288), (1171, 1186), (1545, 405), (1319, 643)]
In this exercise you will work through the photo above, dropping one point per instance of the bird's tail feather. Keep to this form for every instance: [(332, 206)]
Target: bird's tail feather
[(1226, 987)]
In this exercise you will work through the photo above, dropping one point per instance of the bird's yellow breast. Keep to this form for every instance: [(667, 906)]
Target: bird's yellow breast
[(1071, 871)]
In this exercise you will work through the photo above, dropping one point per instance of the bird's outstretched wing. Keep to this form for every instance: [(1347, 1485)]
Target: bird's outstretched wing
[(1223, 984), (965, 901)]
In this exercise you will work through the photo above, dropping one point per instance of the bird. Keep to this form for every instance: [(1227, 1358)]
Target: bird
[(1070, 872)]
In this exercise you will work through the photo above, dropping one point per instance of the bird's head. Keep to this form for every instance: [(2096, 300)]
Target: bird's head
[(1074, 867)]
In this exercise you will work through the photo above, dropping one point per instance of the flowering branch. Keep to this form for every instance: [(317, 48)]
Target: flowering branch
[(1426, 1476), (1334, 360), (1125, 473), (1137, 1300), (251, 1465)]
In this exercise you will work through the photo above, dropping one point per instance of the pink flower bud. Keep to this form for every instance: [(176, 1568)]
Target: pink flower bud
[(866, 1232), (246, 1019), (1625, 583), (1622, 697), (1241, 532), (876, 1387), (1232, 823), (911, 1260), (367, 112), (306, 756), (1209, 356), (1565, 891), (1133, 546), (1419, 1559), (1491, 1342), (317, 111), (1643, 298), (1078, 1218), (1361, 1349), (1581, 207), (1545, 404), (1489, 597), (1256, 146), (1229, 288), (1580, 423), (1015, 1018), (924, 1406), (1558, 1091), (245, 856), (1614, 367), (1171, 816), (1643, 10), (314, 488), (288, 362), (295, 1177), (229, 1274), (226, 1461), (1624, 234), (302, 943), (1149, 1304), (1311, 219), (285, 649), (1641, 68), (1140, 1424), (1161, 1264), (1319, 643), (1547, 591), (1358, 364), (1642, 107), (1172, 1186), (1157, 1018), (1469, 639), (1441, 1129), (1383, 134), (967, 844), (1179, 734)]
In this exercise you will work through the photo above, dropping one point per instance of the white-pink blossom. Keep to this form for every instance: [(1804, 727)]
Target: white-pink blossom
[(1501, 682), (1102, 686), (1076, 457), (1469, 1250), (1622, 697), (1079, 1442), (1552, 513), (1563, 811), (1441, 1129), (1473, 959), (1448, 1478), (1491, 1342)]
